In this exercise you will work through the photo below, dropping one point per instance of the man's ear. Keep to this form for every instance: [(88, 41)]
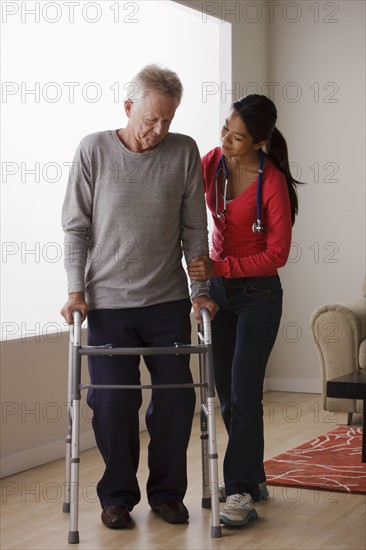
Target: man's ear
[(128, 107)]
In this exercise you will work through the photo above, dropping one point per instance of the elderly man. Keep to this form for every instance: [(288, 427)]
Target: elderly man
[(134, 201)]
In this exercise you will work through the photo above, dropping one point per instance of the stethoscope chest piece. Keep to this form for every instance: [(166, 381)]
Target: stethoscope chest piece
[(258, 227)]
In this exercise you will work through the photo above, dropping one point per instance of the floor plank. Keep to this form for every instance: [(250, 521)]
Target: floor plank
[(32, 518)]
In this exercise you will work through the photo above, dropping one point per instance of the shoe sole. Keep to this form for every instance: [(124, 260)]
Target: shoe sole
[(175, 520), (239, 523), (263, 495), (119, 524)]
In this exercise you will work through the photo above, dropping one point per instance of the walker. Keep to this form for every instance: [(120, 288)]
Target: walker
[(210, 485)]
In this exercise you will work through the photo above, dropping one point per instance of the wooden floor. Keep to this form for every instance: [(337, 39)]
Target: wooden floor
[(32, 515)]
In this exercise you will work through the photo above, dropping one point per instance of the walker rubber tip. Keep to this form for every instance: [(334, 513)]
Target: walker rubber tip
[(206, 502), (216, 532), (73, 537)]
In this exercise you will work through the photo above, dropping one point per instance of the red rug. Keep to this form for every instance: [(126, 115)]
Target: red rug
[(331, 462)]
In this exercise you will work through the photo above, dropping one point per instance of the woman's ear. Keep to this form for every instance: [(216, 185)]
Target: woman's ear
[(260, 144)]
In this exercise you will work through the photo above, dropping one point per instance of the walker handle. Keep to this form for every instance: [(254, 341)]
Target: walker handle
[(76, 315), (75, 329), (206, 324)]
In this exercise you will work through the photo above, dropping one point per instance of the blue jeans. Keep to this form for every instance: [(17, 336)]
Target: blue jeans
[(116, 412), (243, 334)]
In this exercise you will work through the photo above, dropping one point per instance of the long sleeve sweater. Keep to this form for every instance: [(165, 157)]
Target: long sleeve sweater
[(236, 250), (128, 217)]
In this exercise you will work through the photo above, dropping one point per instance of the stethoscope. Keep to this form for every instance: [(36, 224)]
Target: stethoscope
[(257, 226)]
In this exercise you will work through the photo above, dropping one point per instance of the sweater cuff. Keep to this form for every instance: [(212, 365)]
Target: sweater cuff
[(199, 289)]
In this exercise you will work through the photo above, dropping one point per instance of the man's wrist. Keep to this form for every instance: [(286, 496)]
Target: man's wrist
[(78, 296)]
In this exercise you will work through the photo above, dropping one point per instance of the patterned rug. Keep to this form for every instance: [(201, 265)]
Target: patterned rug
[(331, 462)]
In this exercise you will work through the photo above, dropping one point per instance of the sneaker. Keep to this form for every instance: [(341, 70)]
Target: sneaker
[(263, 492), (222, 493), (238, 510)]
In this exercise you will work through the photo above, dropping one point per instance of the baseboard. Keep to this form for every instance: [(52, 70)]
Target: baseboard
[(24, 460), (37, 456), (300, 385)]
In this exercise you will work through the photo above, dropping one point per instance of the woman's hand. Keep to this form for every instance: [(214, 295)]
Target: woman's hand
[(201, 268)]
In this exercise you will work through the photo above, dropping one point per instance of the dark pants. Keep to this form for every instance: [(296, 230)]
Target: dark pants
[(169, 415), (243, 334)]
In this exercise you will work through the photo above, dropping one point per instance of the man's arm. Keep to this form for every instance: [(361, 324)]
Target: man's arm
[(194, 233), (76, 223)]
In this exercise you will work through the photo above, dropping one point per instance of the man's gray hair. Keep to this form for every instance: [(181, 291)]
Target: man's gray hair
[(155, 79)]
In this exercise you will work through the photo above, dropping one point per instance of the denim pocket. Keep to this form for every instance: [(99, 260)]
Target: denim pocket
[(261, 291)]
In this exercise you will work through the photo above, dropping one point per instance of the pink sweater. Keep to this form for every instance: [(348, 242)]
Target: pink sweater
[(235, 249)]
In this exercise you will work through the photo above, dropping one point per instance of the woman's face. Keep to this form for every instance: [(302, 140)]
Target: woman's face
[(235, 138)]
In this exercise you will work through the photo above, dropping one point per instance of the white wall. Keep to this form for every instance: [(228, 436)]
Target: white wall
[(98, 57), (304, 52), (309, 57), (65, 74), (323, 54)]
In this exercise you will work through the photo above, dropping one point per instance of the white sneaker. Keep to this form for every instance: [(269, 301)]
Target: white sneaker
[(222, 492), (238, 510), (263, 492)]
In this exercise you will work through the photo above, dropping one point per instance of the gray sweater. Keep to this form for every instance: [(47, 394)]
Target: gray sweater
[(128, 217)]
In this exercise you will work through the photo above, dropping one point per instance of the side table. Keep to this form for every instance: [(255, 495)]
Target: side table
[(351, 386)]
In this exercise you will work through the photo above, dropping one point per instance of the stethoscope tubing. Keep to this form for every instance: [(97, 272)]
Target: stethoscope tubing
[(257, 225)]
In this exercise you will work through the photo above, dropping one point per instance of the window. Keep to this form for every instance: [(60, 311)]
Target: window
[(66, 68)]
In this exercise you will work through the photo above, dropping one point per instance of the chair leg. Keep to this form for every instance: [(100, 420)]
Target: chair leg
[(349, 419)]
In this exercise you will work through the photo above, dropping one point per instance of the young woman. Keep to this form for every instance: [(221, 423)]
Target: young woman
[(253, 200)]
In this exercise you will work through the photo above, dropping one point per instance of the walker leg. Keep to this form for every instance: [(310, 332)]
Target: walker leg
[(206, 494), (66, 503), (210, 456), (216, 531), (74, 485), (73, 537)]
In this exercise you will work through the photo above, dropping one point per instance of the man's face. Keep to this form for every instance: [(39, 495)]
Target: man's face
[(150, 118)]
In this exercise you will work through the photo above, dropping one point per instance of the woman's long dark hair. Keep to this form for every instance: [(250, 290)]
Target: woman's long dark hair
[(259, 115)]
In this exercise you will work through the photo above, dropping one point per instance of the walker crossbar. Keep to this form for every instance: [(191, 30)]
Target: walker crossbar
[(176, 350), (139, 386), (210, 486)]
